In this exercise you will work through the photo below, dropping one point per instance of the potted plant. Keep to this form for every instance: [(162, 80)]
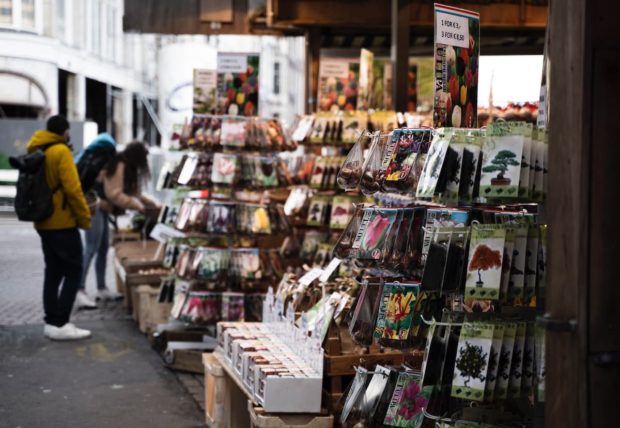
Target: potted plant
[(503, 159)]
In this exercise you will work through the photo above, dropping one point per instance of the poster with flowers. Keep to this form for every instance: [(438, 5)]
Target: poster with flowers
[(408, 400), (457, 53), (237, 82), (338, 84)]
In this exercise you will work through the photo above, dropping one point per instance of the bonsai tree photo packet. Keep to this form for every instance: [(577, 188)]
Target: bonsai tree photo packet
[(501, 162), (484, 267), (457, 52), (472, 361)]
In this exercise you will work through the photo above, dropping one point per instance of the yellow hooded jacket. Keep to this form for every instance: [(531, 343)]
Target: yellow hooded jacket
[(70, 207)]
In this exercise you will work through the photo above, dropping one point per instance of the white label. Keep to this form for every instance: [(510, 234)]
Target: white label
[(232, 63), (310, 276), (188, 170), (451, 29), (331, 267), (542, 108), (162, 233), (205, 78), (338, 69)]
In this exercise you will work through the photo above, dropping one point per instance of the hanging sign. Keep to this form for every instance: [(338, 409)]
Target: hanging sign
[(237, 83), (457, 53)]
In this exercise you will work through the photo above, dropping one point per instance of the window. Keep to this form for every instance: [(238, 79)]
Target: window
[(111, 39), (276, 78), (60, 19), (6, 12), (28, 15)]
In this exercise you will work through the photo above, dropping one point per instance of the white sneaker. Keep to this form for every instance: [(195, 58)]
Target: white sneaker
[(66, 332), (107, 294), (82, 301)]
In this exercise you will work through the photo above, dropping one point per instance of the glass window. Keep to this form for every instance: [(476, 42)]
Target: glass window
[(60, 19), (96, 27), (28, 15), (6, 12)]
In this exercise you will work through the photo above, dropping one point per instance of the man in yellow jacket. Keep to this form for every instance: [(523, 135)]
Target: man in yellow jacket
[(60, 238)]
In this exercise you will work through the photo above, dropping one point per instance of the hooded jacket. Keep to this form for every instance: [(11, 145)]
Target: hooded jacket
[(70, 207), (101, 140)]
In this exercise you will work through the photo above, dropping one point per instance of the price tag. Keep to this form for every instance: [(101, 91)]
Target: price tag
[(329, 270), (452, 29), (162, 233), (310, 276), (232, 63)]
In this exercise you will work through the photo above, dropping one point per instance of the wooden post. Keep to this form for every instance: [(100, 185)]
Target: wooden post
[(583, 367), (313, 52), (400, 53)]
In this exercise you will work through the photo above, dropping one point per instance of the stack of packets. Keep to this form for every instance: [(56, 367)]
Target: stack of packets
[(274, 366), (305, 206), (507, 161), (325, 127)]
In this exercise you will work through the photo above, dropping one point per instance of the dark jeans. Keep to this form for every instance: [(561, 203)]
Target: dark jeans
[(62, 250)]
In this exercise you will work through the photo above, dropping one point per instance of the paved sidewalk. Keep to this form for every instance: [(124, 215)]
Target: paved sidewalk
[(111, 380)]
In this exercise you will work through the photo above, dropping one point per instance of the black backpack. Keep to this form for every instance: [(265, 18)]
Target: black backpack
[(91, 163), (33, 201)]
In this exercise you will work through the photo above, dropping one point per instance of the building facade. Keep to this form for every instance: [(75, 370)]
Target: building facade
[(71, 57)]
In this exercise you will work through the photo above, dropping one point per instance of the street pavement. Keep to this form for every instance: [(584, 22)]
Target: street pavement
[(113, 379)]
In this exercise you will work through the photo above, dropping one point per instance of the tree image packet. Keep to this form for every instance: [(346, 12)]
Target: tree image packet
[(472, 361), (502, 153), (457, 53), (496, 349), (484, 266), (505, 361)]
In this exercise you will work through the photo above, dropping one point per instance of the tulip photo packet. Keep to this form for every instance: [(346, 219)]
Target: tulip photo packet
[(408, 400), (457, 53), (373, 232), (233, 132), (484, 265), (224, 168), (396, 313), (399, 173), (505, 361), (472, 361), (433, 164), (501, 162)]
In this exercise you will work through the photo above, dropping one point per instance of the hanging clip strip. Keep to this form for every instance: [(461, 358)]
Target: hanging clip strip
[(433, 322)]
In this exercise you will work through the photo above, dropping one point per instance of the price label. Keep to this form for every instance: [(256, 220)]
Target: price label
[(310, 276), (329, 270), (232, 63), (452, 29)]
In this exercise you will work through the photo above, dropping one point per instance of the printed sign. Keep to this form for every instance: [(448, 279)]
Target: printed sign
[(232, 62), (205, 90), (338, 69), (452, 29)]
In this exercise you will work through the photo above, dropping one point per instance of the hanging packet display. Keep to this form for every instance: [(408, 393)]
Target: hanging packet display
[(505, 361), (484, 266), (433, 165), (472, 361), (501, 162), (373, 231), (224, 168)]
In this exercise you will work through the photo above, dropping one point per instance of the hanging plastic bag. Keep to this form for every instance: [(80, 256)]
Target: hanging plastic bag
[(370, 181), (352, 168), (343, 246), (364, 316)]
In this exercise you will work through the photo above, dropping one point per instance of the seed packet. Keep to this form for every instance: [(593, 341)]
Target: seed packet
[(436, 261), (245, 263), (233, 306), (186, 253), (436, 217), (516, 283), (501, 162), (341, 212), (371, 237), (541, 265), (396, 312), (297, 202), (253, 219), (456, 261), (342, 248), (539, 164), (516, 365), (407, 402), (471, 157), (171, 253), (188, 166), (496, 349), (374, 390), (369, 183), (233, 132), (528, 372), (352, 168), (279, 220), (484, 270), (265, 169), (351, 401), (322, 255), (220, 217), (318, 129), (317, 213), (202, 308), (540, 363), (433, 164), (224, 168), (399, 159), (353, 124), (450, 177), (183, 216), (318, 172), (398, 256), (213, 263), (197, 219), (509, 245), (363, 322), (505, 360), (531, 258), (525, 129), (310, 243), (472, 361)]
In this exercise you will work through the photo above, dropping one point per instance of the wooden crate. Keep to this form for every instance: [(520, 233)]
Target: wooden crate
[(151, 312), (128, 278), (186, 360), (260, 419)]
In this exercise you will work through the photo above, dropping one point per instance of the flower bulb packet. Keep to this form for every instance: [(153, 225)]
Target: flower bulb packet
[(372, 234)]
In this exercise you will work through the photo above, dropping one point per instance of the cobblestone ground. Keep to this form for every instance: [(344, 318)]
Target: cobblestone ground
[(21, 279)]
